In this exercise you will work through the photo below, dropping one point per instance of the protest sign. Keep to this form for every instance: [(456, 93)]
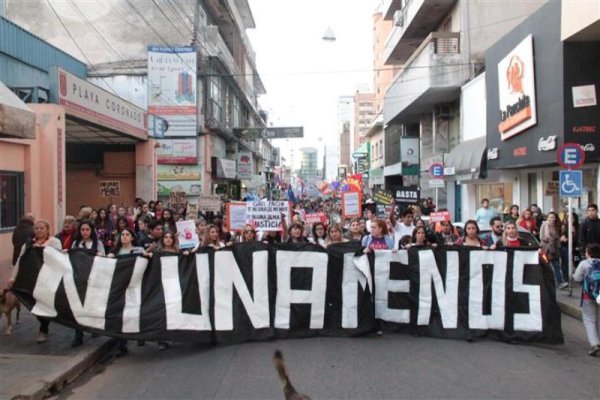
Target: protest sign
[(186, 232), (110, 188), (266, 215), (439, 216), (236, 215), (351, 204), (314, 218), (209, 202), (177, 201)]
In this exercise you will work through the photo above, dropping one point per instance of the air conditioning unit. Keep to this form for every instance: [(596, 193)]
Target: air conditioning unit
[(443, 111), (398, 18)]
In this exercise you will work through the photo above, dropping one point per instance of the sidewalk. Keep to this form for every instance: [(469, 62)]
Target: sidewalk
[(570, 305), (33, 371)]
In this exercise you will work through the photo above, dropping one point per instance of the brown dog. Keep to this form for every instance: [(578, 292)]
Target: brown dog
[(8, 302), (289, 391)]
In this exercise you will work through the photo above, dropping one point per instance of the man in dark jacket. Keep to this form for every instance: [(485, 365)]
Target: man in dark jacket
[(589, 230), (23, 231)]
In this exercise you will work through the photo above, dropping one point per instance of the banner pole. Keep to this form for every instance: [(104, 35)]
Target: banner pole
[(570, 246)]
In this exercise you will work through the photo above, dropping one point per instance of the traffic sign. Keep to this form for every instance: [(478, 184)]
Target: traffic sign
[(270, 133), (570, 156), (436, 170), (571, 183)]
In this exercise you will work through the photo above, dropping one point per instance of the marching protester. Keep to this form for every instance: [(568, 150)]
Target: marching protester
[(550, 247), (42, 238), (125, 245), (513, 214), (68, 233), (334, 235), (446, 236), (103, 227), (249, 233), (378, 239), (150, 242), (294, 234), (354, 233), (526, 221), (471, 236), (589, 230), (168, 221), (564, 242), (419, 237), (319, 235), (510, 237), (22, 234), (495, 234), (588, 272), (404, 228), (211, 237)]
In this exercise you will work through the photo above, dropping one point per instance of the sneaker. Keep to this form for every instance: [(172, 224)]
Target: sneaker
[(77, 341), (594, 350), (41, 338), (162, 346), (563, 285)]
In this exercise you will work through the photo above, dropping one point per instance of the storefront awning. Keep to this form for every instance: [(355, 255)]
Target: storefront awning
[(17, 120), (468, 159)]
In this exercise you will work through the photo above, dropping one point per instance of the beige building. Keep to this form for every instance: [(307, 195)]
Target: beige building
[(364, 110)]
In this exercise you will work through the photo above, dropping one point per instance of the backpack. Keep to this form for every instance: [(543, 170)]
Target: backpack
[(591, 280)]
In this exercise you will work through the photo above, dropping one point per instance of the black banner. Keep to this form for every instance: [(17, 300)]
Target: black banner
[(254, 291)]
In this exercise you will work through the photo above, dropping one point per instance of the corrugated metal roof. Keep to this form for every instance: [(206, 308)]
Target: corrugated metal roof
[(30, 49)]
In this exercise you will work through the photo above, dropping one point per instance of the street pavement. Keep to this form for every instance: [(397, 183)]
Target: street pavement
[(392, 366), (31, 370)]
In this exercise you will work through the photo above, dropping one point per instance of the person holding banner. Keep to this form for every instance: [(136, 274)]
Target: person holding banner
[(124, 245), (354, 233), (168, 221), (471, 236), (419, 237), (42, 238), (334, 235), (294, 234), (378, 239), (319, 235), (447, 236), (211, 237), (249, 234), (510, 237)]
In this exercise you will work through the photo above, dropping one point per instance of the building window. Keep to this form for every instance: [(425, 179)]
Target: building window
[(11, 198), (215, 98)]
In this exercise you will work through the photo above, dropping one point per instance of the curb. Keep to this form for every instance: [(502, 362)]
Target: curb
[(54, 382), (570, 310)]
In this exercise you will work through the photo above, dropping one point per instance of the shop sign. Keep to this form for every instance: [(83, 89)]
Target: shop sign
[(516, 87), (547, 144), (172, 88), (449, 171), (244, 165), (520, 151), (223, 168), (179, 172), (492, 154), (584, 96), (110, 188), (165, 188), (177, 151), (588, 147), (92, 103), (376, 176)]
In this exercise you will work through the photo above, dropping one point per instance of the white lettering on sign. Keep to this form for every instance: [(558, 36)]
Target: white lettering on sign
[(547, 144)]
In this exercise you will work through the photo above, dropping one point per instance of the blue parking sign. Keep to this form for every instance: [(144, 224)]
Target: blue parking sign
[(570, 182)]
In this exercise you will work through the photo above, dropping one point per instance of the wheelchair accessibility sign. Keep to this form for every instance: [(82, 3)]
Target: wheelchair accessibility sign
[(570, 183)]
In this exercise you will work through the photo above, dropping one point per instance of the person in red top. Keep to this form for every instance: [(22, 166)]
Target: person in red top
[(528, 222), (510, 237)]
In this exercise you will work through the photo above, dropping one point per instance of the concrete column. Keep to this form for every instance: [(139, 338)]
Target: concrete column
[(145, 170)]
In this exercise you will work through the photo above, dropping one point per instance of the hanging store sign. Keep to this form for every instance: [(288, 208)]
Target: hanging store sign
[(516, 88), (245, 165), (223, 168), (89, 102), (584, 96), (179, 172), (172, 88), (177, 151), (165, 188)]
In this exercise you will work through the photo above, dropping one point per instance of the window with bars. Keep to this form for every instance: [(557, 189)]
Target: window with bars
[(11, 199)]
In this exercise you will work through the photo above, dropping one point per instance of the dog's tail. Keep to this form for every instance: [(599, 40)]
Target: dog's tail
[(280, 367)]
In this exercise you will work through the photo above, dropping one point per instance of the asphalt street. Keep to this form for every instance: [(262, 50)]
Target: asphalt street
[(392, 366)]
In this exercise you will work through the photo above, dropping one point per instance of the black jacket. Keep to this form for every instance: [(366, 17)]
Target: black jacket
[(22, 233), (589, 232)]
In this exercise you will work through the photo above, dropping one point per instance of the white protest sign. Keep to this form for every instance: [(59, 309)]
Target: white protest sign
[(186, 232), (266, 215)]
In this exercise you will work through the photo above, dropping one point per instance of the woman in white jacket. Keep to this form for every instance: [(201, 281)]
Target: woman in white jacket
[(589, 306)]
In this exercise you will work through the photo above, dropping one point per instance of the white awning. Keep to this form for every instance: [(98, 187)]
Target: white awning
[(468, 158), (17, 120)]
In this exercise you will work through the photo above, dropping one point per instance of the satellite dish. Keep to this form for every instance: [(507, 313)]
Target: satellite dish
[(329, 36)]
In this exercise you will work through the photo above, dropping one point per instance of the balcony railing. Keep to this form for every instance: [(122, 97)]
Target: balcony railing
[(432, 74)]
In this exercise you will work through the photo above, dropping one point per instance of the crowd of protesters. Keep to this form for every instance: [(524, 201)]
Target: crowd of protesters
[(148, 227)]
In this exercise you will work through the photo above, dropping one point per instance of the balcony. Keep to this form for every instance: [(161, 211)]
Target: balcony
[(389, 6), (433, 74), (412, 23)]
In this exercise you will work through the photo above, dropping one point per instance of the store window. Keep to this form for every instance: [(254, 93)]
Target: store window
[(499, 194), (11, 199), (532, 187)]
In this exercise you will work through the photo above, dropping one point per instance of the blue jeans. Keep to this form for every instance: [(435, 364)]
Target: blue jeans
[(557, 270)]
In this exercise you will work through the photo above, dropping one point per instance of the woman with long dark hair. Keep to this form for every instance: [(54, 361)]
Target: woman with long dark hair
[(87, 238), (168, 221), (319, 234), (471, 236), (550, 246), (104, 228), (126, 244)]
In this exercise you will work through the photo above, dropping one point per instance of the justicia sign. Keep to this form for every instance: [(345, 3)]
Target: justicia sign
[(516, 88)]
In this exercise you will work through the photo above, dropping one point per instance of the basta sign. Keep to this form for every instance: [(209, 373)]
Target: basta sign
[(516, 89)]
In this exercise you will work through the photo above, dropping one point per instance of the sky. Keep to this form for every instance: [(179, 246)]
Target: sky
[(303, 74)]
